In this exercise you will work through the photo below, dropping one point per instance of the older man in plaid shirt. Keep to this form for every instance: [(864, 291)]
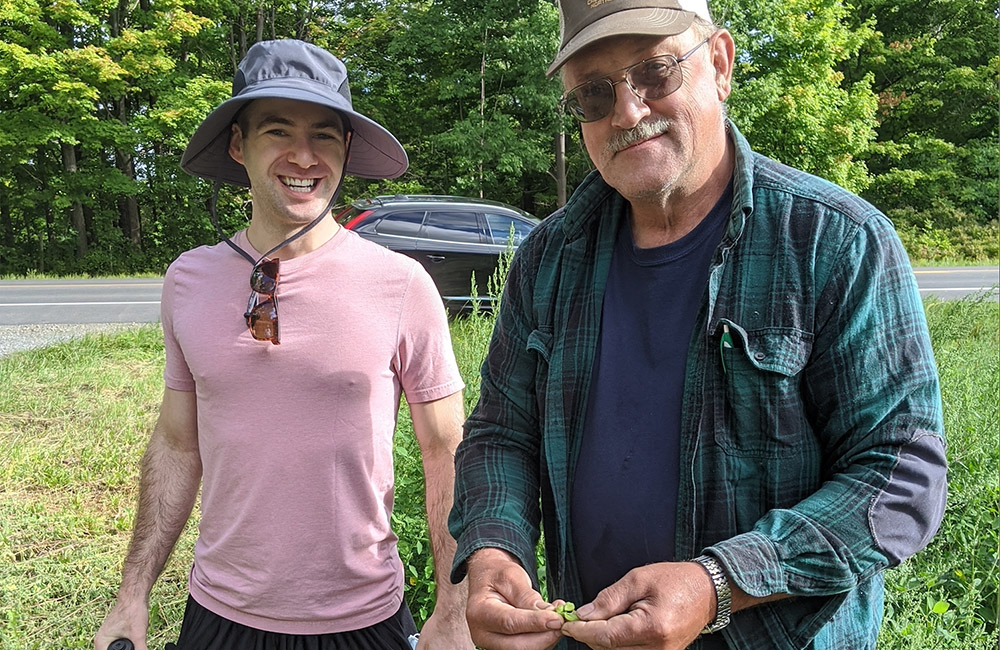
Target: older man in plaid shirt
[(710, 382)]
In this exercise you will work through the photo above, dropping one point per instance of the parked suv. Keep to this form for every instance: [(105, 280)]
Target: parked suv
[(452, 237)]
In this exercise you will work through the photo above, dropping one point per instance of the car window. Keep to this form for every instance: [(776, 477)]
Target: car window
[(500, 228), (452, 226), (405, 223)]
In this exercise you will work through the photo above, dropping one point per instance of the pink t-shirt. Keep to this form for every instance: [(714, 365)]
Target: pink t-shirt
[(296, 439)]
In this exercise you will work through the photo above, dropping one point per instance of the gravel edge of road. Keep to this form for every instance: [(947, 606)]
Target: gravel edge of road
[(16, 338)]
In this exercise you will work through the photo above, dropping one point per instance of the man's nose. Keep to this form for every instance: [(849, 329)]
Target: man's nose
[(302, 152), (629, 108)]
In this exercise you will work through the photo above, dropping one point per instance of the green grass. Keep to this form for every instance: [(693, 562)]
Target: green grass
[(74, 419), (946, 597), (35, 275), (947, 262)]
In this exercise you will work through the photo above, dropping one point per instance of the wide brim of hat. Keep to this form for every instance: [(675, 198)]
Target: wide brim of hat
[(375, 153), (642, 22)]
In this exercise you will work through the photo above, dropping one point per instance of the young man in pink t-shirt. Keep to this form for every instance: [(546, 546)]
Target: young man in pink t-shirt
[(282, 406)]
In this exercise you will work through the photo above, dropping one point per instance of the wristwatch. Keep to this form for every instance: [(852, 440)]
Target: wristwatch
[(723, 594)]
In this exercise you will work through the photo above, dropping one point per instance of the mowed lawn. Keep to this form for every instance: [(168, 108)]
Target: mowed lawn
[(74, 419)]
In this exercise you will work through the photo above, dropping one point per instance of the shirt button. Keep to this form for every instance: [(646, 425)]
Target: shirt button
[(759, 356)]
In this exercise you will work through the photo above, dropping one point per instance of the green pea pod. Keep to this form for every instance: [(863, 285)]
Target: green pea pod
[(567, 611)]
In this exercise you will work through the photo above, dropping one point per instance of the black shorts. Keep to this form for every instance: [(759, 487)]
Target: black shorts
[(205, 630)]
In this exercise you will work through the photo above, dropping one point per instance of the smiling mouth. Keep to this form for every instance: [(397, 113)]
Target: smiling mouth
[(303, 185)]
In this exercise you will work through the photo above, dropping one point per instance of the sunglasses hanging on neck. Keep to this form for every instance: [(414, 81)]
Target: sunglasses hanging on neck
[(262, 315)]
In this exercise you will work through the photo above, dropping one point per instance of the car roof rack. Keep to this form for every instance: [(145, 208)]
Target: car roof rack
[(384, 199)]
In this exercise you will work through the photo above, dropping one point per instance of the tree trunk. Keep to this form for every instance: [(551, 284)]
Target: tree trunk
[(41, 252), (88, 225), (115, 22), (561, 168), (45, 239), (260, 22), (482, 109), (233, 55), (77, 218), (5, 220), (302, 25), (241, 39), (128, 206)]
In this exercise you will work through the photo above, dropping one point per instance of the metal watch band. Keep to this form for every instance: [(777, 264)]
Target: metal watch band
[(723, 594)]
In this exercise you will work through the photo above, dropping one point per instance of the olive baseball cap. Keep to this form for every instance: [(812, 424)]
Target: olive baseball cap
[(582, 22), (291, 69)]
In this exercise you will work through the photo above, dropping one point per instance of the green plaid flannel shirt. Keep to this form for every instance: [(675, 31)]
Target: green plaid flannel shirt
[(810, 380)]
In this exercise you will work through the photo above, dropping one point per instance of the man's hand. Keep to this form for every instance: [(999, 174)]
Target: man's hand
[(663, 606), (124, 621), (503, 610)]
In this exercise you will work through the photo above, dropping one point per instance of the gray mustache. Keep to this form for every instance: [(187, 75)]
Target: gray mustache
[(638, 133)]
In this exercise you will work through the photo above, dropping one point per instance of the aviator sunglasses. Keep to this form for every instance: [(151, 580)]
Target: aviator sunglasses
[(652, 78), (262, 315)]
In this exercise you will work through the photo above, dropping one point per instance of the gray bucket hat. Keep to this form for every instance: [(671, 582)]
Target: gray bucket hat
[(582, 22), (291, 69)]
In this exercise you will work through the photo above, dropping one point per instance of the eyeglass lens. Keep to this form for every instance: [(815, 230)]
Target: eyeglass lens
[(650, 79), (262, 316)]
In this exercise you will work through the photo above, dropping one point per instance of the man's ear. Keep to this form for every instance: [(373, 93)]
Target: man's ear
[(723, 53), (236, 143)]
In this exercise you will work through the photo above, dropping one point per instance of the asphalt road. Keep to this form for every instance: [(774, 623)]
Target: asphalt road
[(35, 302), (40, 302), (955, 282)]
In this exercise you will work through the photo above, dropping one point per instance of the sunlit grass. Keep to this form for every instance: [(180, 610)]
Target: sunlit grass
[(74, 419)]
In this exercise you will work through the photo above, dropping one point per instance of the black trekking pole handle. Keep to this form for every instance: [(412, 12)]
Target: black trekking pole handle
[(121, 644)]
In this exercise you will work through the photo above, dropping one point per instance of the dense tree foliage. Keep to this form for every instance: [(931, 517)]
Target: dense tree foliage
[(790, 99), (934, 67), (896, 100)]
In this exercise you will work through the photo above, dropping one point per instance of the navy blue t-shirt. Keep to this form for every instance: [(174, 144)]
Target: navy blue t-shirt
[(624, 498)]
